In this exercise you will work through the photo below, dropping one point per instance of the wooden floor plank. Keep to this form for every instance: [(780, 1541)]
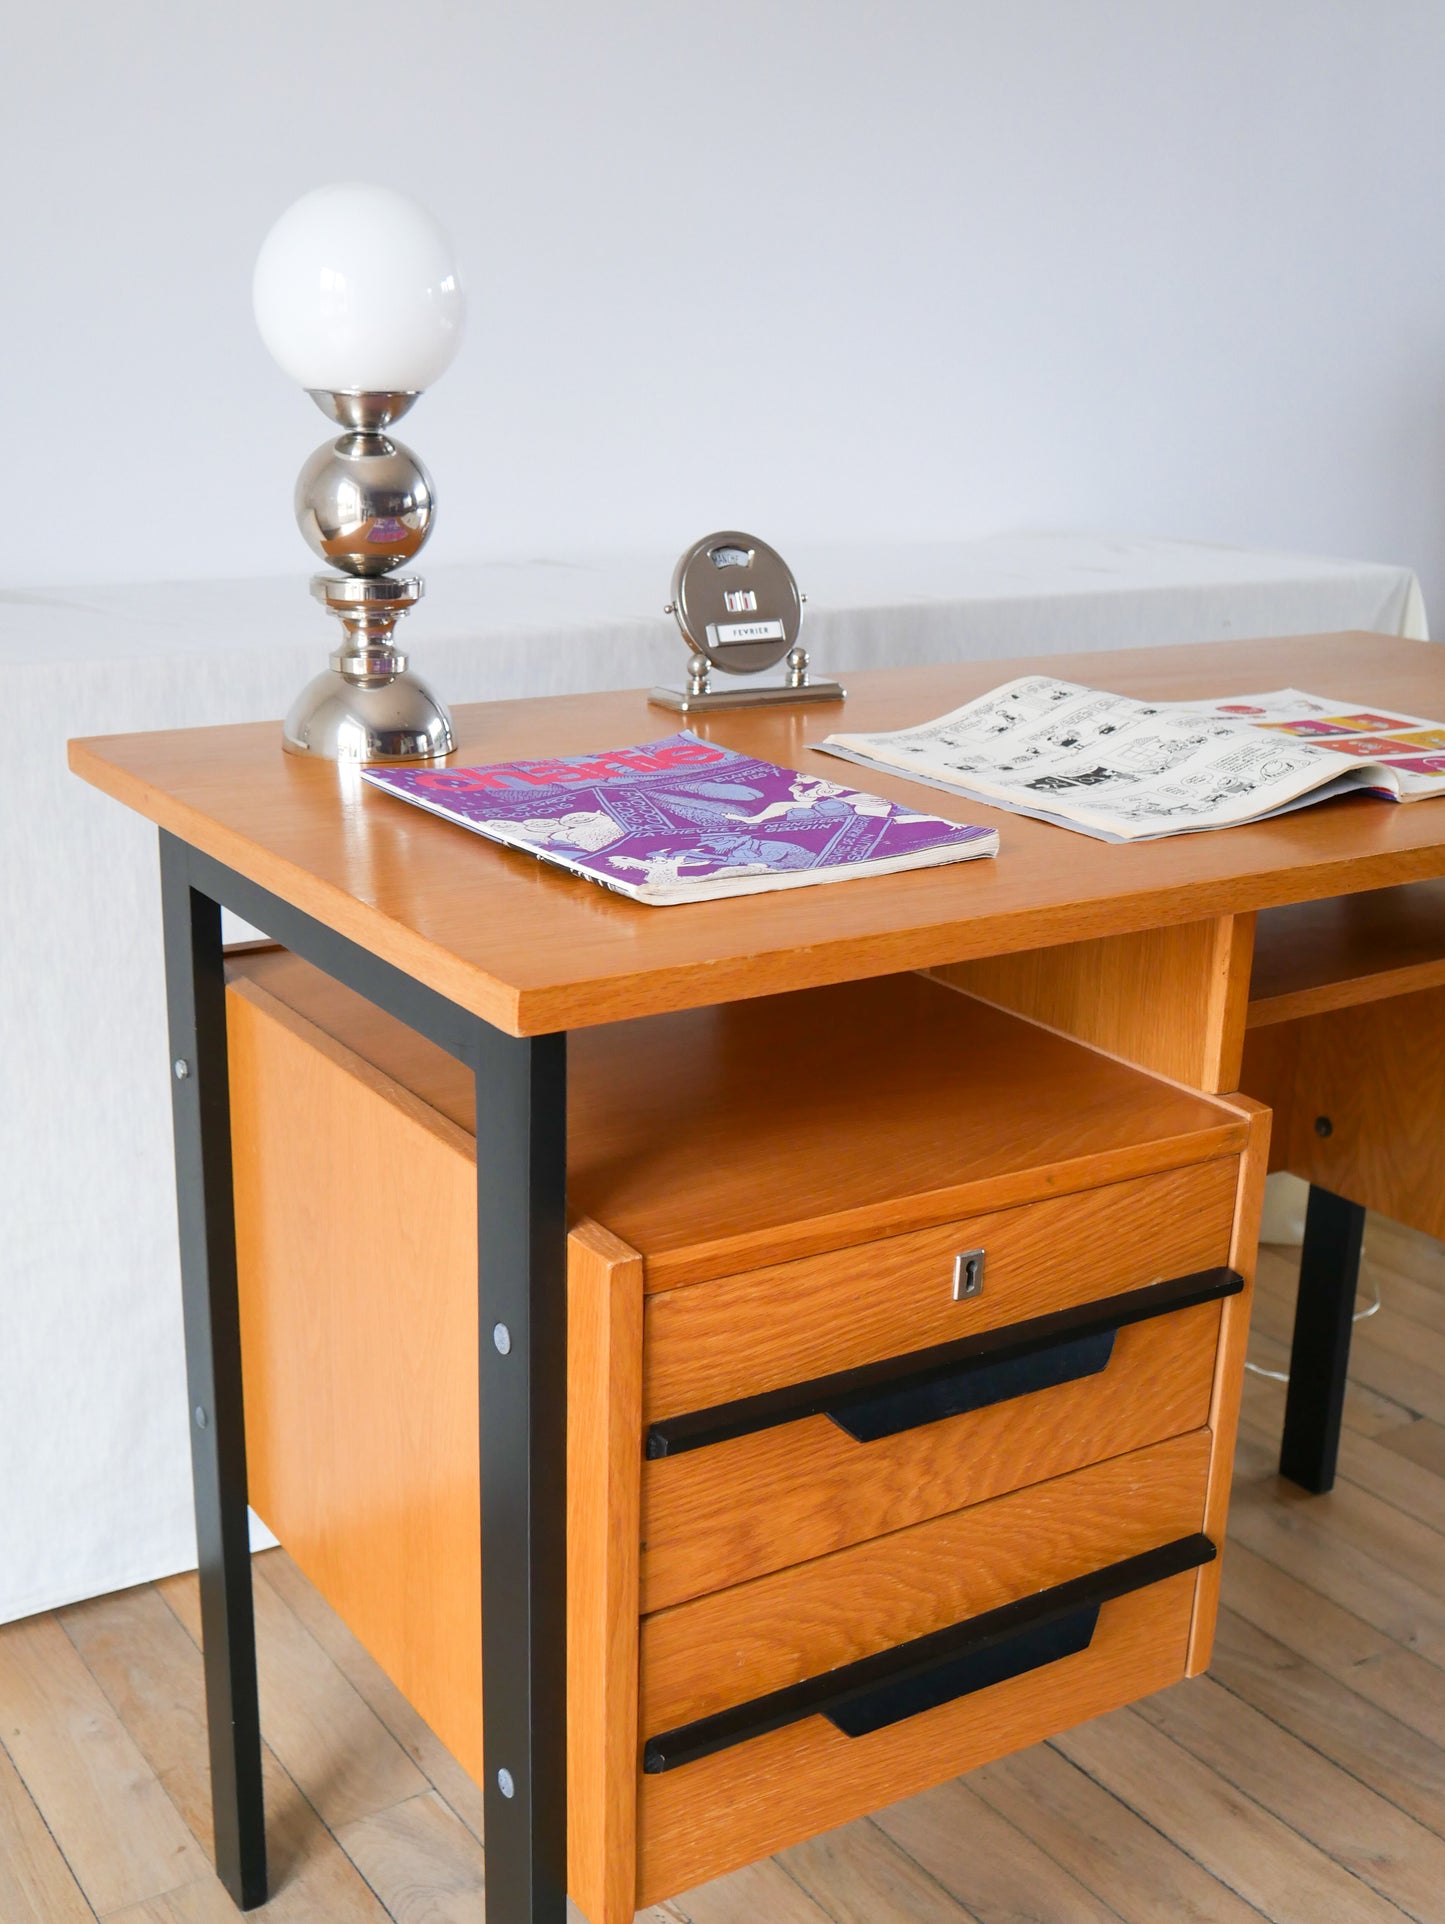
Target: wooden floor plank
[(858, 1875), (150, 1670), (1332, 1544), (118, 1830), (366, 1676), (421, 1860), (1370, 1746), (1238, 1841), (333, 1744), (1335, 1640), (1390, 1471), (1358, 1828), (1382, 1269), (1111, 1851), (1422, 1443), (993, 1870), (36, 1883), (760, 1894), (206, 1902)]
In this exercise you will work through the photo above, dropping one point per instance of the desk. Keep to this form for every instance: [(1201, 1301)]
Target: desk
[(99, 1316), (1138, 953)]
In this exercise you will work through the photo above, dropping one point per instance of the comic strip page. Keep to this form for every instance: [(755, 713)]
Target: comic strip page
[(1129, 770)]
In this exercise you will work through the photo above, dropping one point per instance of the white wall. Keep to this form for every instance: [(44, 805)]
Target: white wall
[(828, 269)]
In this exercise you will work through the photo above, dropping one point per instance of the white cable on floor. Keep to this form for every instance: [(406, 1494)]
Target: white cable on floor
[(1282, 1376)]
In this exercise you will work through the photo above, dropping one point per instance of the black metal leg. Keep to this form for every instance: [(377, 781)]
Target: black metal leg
[(521, 1096), (196, 996), (521, 1091), (1320, 1355)]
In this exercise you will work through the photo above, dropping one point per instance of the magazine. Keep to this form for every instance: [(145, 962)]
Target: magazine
[(1130, 771), (683, 820)]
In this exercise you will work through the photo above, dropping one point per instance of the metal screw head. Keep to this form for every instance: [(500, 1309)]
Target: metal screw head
[(1323, 1126), (502, 1339), (181, 1068), (201, 1418), (505, 1784)]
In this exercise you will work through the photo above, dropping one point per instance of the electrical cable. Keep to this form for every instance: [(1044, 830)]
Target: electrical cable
[(1282, 1376)]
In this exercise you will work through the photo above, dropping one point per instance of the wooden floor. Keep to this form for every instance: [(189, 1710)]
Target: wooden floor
[(1303, 1780)]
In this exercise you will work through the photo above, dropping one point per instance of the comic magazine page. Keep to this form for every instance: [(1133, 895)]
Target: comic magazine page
[(684, 820), (1127, 770)]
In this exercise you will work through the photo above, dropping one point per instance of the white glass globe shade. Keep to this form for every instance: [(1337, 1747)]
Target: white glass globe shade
[(356, 288)]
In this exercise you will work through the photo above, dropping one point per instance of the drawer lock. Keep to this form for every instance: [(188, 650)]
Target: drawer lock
[(968, 1274)]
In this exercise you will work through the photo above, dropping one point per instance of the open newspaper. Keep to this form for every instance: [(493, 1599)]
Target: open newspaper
[(1130, 771)]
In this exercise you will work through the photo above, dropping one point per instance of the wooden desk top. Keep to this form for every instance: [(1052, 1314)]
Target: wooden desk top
[(533, 950)]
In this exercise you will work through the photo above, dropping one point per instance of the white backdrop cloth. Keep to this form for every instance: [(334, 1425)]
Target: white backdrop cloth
[(94, 1463)]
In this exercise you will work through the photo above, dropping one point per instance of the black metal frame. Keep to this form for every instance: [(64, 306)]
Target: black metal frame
[(879, 1399), (521, 1126), (875, 1691), (1320, 1353)]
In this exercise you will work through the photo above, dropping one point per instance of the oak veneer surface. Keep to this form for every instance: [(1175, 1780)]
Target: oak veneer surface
[(739, 1335), (759, 1796), (1229, 1380), (361, 1410), (756, 1503), (534, 950), (735, 1644), (604, 1459), (716, 1139), (1315, 956), (1375, 1073), (1170, 999)]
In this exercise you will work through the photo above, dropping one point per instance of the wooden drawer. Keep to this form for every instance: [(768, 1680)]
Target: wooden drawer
[(741, 1335), (735, 1509), (741, 1761)]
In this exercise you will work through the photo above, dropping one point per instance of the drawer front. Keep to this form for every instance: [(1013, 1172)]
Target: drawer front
[(740, 1803), (737, 1509), (746, 1334), (721, 1650)]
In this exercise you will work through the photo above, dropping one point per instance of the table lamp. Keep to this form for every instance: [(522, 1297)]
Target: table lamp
[(357, 296)]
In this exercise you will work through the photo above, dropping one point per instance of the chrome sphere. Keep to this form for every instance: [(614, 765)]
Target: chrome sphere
[(364, 503)]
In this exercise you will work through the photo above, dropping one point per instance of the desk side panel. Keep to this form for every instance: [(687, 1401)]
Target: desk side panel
[(356, 1230), (356, 1219)]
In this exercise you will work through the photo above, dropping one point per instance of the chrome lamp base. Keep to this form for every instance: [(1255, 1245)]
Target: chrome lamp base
[(367, 706), (365, 503)]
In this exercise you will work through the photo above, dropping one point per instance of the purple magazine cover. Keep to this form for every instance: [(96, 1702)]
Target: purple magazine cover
[(659, 819)]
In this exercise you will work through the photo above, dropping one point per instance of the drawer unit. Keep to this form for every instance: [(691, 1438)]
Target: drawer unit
[(837, 1527)]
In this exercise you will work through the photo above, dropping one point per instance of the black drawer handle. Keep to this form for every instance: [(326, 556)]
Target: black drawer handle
[(879, 1399), (973, 1387), (946, 1664)]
